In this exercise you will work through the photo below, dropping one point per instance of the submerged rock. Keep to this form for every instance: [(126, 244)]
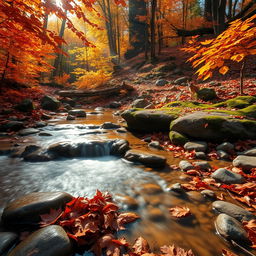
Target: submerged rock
[(233, 210), (231, 229), (25, 212), (48, 241), (225, 176), (145, 158)]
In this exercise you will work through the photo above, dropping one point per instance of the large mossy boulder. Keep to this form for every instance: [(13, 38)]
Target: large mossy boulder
[(238, 102), (214, 127), (148, 120)]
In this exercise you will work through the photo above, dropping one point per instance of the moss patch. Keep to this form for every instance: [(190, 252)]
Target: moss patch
[(177, 138)]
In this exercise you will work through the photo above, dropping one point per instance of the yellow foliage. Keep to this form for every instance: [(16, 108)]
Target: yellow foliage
[(93, 79)]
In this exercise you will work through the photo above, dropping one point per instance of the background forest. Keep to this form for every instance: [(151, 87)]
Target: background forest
[(83, 42)]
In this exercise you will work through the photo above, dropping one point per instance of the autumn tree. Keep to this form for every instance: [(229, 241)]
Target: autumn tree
[(234, 44)]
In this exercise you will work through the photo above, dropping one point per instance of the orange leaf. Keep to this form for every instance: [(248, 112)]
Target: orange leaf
[(224, 70), (179, 211)]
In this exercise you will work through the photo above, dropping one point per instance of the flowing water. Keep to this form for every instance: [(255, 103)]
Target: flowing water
[(82, 176)]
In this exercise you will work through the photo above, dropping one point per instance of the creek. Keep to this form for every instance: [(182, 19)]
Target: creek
[(131, 183)]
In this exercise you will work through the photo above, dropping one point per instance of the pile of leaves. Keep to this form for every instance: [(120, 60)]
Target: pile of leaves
[(93, 225)]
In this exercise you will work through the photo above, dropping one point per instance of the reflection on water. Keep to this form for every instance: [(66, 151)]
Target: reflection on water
[(81, 177)]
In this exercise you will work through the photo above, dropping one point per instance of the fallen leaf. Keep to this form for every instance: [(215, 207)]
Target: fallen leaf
[(172, 250), (179, 211)]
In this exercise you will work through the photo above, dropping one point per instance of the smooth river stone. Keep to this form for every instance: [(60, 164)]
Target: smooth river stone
[(25, 211), (231, 229), (151, 160), (186, 165), (245, 162), (48, 241), (198, 146), (233, 210), (7, 240), (225, 176)]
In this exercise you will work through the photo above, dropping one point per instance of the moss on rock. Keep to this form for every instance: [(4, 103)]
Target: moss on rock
[(177, 138)]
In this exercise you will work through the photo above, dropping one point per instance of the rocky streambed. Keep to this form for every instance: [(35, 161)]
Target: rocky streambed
[(44, 167)]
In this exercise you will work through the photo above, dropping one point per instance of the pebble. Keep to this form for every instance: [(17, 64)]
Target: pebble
[(198, 146), (228, 177)]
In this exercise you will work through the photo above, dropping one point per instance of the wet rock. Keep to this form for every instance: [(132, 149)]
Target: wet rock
[(109, 125), (28, 131), (228, 177), (50, 103), (155, 144), (214, 126), (115, 104), (177, 138), (25, 212), (121, 130), (68, 101), (25, 105), (29, 149), (119, 147), (232, 210), (150, 189), (181, 80), (209, 194), (48, 241), (203, 165), (40, 124), (45, 117), (186, 165), (45, 134), (245, 162), (147, 139), (223, 155), (161, 82), (151, 160), (249, 152), (39, 156), (176, 188), (70, 117), (201, 155), (185, 177), (148, 120), (195, 196), (155, 214), (140, 103), (127, 201), (12, 126), (7, 240), (226, 146), (206, 94), (99, 109), (231, 229), (77, 113), (198, 146)]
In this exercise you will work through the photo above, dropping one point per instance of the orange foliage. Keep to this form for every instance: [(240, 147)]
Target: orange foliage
[(63, 80), (237, 42)]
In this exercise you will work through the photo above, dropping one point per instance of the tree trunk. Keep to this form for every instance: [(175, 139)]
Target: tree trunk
[(137, 35), (230, 5), (214, 4), (208, 10), (57, 60), (221, 16), (153, 31), (242, 78)]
